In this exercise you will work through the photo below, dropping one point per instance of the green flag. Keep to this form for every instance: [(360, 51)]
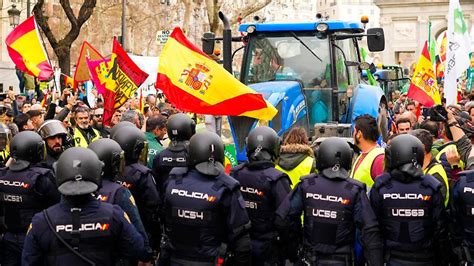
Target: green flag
[(370, 77), (431, 45)]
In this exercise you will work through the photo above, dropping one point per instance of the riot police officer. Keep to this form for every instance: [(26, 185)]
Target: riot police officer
[(5, 137), (205, 216), (57, 139), (139, 180), (462, 206), (333, 205), (81, 230), (111, 154), (264, 188), (118, 126), (180, 128), (408, 205), (25, 190)]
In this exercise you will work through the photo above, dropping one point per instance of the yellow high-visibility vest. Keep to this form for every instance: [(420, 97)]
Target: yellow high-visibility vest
[(362, 173)]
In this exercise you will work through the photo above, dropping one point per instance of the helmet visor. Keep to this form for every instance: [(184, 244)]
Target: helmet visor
[(52, 128)]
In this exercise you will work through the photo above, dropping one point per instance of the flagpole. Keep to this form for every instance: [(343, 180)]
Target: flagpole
[(47, 55)]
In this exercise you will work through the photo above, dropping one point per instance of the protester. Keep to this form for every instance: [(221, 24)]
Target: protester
[(155, 132), (296, 158)]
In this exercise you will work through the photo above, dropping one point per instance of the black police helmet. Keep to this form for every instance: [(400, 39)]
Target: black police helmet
[(263, 144), (206, 153), (26, 147), (132, 140), (78, 172), (334, 158), (120, 125), (180, 127), (406, 154), (110, 153)]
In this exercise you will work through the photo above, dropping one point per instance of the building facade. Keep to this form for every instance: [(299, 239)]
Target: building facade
[(405, 23)]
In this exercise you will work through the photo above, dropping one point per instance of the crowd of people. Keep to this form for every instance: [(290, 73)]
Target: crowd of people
[(150, 189)]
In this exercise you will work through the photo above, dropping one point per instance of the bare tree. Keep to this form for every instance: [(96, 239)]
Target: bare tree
[(62, 47), (214, 6)]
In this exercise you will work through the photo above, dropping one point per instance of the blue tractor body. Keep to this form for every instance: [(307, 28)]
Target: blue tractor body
[(311, 73)]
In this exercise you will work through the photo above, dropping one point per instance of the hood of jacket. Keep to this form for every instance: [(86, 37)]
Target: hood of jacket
[(291, 155)]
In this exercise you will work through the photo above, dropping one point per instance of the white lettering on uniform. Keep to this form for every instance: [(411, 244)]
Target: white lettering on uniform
[(324, 213), (12, 198), (84, 227), (13, 183), (406, 196), (193, 215), (327, 198), (408, 212), (468, 189), (193, 194), (251, 205), (251, 190)]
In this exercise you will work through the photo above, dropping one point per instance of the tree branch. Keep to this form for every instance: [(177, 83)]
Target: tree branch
[(248, 10), (43, 23)]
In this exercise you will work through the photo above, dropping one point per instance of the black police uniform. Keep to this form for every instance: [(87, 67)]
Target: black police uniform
[(205, 218), (138, 179), (410, 211), (22, 194), (462, 222), (263, 188), (180, 129), (332, 208), (105, 234), (114, 193), (176, 155), (409, 206)]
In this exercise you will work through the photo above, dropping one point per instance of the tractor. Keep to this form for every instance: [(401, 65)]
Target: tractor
[(310, 71)]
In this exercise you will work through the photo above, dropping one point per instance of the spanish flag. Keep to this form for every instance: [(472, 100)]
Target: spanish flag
[(25, 50), (423, 87), (193, 82)]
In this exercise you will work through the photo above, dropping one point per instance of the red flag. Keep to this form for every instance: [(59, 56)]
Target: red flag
[(117, 79), (82, 70)]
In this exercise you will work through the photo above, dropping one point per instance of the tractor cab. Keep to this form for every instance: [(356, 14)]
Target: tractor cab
[(311, 73)]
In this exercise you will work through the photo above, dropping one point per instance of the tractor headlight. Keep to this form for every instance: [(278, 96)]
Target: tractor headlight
[(322, 27), (251, 29)]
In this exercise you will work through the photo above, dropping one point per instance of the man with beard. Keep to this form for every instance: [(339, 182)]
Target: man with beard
[(84, 133), (55, 136), (97, 123), (369, 164)]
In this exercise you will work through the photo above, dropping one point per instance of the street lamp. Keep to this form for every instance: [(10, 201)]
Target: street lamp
[(14, 16)]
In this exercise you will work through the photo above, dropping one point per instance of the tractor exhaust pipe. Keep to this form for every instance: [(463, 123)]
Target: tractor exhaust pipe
[(227, 43)]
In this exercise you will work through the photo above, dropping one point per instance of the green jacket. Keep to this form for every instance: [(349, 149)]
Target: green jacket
[(154, 147)]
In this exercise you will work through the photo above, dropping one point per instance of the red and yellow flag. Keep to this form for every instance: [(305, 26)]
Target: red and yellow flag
[(423, 87), (117, 79), (68, 81), (82, 70), (193, 82), (25, 50)]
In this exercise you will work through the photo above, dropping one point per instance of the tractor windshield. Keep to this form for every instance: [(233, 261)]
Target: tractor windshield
[(281, 56)]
